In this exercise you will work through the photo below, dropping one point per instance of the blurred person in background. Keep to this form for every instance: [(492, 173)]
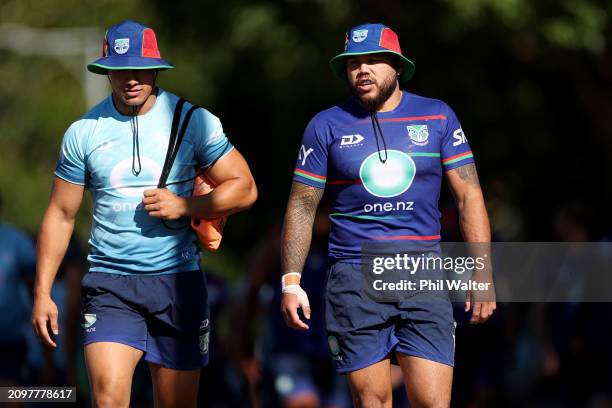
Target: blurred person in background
[(298, 364), (17, 268), (382, 143), (59, 365), (145, 295)]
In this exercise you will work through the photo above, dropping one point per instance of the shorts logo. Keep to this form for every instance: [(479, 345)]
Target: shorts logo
[(388, 179), (418, 134), (89, 320), (122, 45), (360, 35), (204, 340), (204, 324), (351, 140), (334, 348)]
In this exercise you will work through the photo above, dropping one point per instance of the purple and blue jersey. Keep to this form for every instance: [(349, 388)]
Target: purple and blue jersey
[(382, 190)]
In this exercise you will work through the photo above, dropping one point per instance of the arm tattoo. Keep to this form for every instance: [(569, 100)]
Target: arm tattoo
[(468, 174), (297, 228)]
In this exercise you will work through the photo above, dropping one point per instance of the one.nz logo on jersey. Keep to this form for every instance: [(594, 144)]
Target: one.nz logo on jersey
[(388, 178)]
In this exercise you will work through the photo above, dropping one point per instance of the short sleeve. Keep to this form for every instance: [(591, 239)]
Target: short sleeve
[(455, 149), (71, 165), (211, 143), (311, 166)]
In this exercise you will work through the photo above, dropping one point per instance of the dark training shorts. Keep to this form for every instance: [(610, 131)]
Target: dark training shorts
[(362, 332), (165, 316)]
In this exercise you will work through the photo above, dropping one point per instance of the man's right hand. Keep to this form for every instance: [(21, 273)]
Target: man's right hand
[(294, 297), (44, 312)]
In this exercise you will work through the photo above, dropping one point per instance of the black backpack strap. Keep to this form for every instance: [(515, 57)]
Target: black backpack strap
[(176, 138), (178, 109), (179, 138)]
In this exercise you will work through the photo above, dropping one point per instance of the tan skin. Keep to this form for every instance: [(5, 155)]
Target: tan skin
[(428, 383), (111, 365)]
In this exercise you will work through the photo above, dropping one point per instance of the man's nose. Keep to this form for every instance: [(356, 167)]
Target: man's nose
[(130, 77), (364, 67)]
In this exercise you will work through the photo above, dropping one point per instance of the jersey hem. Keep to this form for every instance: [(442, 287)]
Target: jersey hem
[(154, 273)]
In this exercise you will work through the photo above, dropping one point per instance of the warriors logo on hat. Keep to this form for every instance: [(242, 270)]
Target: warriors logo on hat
[(133, 46), (371, 39)]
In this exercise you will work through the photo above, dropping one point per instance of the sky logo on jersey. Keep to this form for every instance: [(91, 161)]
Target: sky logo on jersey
[(388, 179), (419, 134), (351, 141), (360, 35), (459, 137)]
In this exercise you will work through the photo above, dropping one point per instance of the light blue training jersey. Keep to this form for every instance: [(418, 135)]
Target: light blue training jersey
[(98, 152)]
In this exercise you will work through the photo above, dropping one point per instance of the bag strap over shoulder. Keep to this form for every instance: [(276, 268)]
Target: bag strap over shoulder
[(176, 137)]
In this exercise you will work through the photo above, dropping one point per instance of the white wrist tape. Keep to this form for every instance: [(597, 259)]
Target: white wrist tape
[(299, 292), (283, 284)]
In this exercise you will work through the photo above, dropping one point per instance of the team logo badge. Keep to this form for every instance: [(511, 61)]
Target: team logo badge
[(334, 348), (388, 179), (122, 45), (419, 134), (89, 320), (360, 35)]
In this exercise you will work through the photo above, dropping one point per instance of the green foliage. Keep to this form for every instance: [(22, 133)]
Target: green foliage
[(262, 67)]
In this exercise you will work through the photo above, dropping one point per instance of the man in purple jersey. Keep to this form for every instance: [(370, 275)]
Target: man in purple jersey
[(381, 156)]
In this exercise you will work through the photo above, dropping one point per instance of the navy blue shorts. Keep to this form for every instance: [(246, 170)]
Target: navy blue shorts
[(165, 316), (362, 332)]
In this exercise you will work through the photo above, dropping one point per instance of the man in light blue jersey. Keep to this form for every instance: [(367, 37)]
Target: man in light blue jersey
[(144, 295)]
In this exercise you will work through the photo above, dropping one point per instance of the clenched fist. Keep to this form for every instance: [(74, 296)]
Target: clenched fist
[(164, 204)]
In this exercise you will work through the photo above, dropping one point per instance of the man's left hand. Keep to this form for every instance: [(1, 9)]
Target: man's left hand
[(162, 203), (481, 310)]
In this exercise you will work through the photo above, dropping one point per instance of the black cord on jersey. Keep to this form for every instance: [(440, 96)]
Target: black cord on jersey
[(135, 142), (377, 131)]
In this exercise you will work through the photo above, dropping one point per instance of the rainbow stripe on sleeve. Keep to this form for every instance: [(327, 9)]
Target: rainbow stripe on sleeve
[(310, 176), (457, 157)]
